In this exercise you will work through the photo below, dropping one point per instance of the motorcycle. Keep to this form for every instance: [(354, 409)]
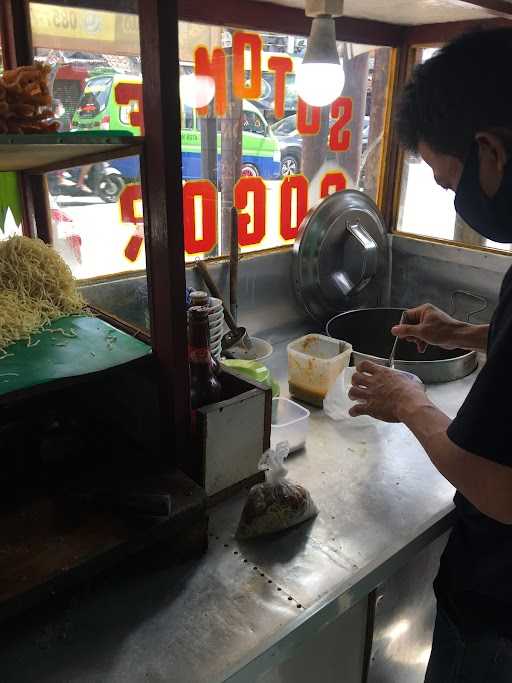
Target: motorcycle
[(102, 180)]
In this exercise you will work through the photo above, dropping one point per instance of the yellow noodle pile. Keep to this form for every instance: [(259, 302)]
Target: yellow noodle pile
[(36, 287)]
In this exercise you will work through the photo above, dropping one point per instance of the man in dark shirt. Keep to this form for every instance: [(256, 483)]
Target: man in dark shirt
[(456, 112)]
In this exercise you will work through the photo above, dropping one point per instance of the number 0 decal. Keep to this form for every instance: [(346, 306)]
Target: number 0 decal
[(207, 194), (243, 188), (294, 189)]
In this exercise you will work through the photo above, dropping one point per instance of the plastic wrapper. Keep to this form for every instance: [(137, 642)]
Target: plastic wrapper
[(26, 100), (277, 503), (337, 403)]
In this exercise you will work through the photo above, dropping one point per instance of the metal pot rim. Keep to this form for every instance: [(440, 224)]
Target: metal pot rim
[(468, 354)]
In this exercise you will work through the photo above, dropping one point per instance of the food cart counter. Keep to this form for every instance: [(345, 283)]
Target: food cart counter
[(266, 610)]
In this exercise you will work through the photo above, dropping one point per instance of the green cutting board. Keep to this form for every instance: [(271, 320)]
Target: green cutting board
[(97, 346)]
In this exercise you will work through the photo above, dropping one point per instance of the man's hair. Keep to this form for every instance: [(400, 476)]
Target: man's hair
[(464, 88)]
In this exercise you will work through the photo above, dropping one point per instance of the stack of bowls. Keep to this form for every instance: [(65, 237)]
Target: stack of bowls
[(216, 321)]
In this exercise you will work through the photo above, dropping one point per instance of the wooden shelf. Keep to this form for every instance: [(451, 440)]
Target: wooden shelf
[(48, 547), (54, 151)]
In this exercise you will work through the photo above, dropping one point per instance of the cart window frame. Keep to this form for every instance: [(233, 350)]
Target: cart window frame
[(474, 241)]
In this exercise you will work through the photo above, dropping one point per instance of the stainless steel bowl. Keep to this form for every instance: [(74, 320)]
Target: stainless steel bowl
[(369, 332)]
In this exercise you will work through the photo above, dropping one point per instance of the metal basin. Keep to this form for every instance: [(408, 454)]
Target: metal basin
[(369, 332)]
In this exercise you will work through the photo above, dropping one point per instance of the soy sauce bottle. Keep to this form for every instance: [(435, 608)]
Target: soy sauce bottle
[(205, 388)]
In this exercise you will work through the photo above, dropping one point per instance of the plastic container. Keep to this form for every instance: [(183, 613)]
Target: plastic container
[(314, 362), (255, 371), (290, 422), (260, 350), (337, 403)]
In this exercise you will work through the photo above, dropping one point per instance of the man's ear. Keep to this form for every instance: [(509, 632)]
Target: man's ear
[(492, 151), (493, 159)]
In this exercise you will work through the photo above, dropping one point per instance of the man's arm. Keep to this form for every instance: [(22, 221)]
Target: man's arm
[(389, 396), (486, 484), (471, 337)]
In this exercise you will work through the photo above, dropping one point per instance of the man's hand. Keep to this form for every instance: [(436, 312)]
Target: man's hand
[(429, 325), (384, 393)]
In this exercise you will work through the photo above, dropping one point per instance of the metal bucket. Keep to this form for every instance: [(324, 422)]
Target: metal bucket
[(369, 332)]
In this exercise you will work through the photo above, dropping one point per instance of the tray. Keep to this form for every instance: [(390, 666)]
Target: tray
[(85, 345)]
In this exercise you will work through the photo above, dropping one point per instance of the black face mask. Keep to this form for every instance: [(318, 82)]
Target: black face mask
[(489, 216)]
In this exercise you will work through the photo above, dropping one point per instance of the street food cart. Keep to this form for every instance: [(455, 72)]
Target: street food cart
[(196, 107)]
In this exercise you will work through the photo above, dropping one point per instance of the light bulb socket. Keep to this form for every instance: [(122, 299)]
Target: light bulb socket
[(321, 47), (317, 8)]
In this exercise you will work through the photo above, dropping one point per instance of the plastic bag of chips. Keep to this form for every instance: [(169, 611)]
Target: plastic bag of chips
[(25, 100)]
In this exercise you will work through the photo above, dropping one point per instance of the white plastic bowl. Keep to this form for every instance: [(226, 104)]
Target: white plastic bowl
[(217, 327), (290, 422), (215, 335), (215, 306), (260, 350), (216, 318)]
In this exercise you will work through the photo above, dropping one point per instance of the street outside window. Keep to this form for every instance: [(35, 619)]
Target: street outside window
[(426, 209), (257, 147), (272, 161), (96, 210)]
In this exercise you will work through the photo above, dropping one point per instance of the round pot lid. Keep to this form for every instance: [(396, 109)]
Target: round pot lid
[(336, 252)]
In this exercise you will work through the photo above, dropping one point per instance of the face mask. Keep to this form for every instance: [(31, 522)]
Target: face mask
[(489, 216)]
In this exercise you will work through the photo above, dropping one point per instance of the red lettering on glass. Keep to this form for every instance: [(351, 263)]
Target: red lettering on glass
[(242, 89), (293, 185), (332, 182), (131, 194), (216, 69), (131, 92), (243, 188), (208, 194), (280, 66), (339, 136)]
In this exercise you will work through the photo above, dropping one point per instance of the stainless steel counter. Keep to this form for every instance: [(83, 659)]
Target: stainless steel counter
[(243, 607)]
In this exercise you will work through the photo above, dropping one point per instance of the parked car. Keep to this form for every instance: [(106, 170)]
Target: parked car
[(290, 142), (260, 149), (98, 110)]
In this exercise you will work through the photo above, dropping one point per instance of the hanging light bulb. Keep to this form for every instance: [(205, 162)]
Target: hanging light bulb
[(320, 78), (196, 91)]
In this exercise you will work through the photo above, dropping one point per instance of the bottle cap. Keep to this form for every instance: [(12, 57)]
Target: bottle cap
[(199, 298)]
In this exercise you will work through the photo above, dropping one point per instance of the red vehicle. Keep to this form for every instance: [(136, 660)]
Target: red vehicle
[(66, 239)]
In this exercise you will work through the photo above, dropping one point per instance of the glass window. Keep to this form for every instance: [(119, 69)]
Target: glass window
[(425, 208), (97, 217), (95, 97), (187, 118), (252, 122), (285, 126), (10, 227), (255, 146), (96, 209)]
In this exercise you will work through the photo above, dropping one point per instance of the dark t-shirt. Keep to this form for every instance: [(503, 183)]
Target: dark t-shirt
[(475, 578)]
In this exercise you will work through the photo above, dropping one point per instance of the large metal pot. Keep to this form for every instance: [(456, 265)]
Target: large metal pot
[(369, 332)]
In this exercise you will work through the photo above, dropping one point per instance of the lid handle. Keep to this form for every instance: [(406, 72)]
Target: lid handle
[(367, 252)]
